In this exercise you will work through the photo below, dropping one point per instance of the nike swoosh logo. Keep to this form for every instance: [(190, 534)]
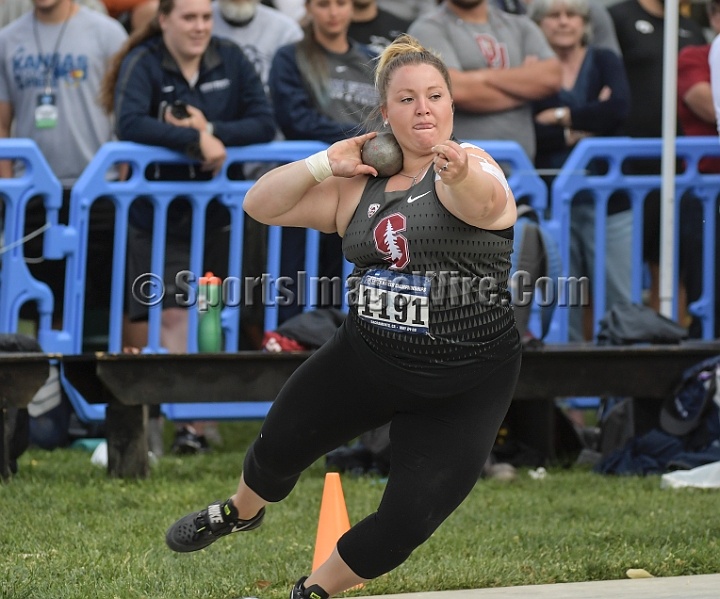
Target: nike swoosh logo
[(412, 199)]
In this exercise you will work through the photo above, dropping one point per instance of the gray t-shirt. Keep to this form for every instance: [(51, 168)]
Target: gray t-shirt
[(88, 42), (261, 37), (350, 87), (503, 42), (268, 31), (408, 9)]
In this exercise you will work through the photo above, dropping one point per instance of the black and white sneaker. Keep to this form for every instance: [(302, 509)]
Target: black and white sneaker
[(299, 591), (199, 529), (188, 442)]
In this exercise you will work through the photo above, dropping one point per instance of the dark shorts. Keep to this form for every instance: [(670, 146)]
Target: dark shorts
[(177, 259)]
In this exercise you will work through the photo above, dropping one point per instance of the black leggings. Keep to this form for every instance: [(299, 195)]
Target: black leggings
[(439, 444)]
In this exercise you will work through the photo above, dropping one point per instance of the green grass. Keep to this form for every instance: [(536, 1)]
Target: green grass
[(70, 532)]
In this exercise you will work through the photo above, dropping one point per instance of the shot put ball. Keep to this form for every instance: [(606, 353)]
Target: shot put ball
[(384, 154)]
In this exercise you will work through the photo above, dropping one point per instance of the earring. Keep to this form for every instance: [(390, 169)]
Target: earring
[(385, 123)]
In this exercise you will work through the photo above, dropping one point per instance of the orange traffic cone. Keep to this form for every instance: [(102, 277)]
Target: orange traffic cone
[(334, 521)]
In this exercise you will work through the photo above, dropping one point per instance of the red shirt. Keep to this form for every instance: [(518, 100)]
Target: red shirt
[(693, 68), (117, 7)]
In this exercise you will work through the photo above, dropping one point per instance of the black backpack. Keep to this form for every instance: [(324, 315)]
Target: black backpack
[(626, 323), (17, 420), (536, 253)]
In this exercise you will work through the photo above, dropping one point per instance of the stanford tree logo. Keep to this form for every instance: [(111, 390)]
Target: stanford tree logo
[(390, 243)]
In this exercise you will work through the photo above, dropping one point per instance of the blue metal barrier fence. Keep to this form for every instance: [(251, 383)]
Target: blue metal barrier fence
[(523, 180), (93, 184), (574, 178), (17, 286)]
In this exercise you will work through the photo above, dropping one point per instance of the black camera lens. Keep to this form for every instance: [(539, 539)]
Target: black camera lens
[(179, 110)]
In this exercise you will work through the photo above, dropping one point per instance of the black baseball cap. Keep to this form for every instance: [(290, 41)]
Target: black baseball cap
[(681, 414)]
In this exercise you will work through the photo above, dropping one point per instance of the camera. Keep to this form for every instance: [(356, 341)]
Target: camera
[(179, 110)]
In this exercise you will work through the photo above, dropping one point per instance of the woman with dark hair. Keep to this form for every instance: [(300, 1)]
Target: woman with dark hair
[(435, 354)]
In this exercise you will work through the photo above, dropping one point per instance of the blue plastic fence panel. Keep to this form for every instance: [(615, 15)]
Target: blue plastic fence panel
[(17, 285), (94, 183), (706, 188), (271, 296), (522, 179), (573, 178), (247, 410), (302, 290)]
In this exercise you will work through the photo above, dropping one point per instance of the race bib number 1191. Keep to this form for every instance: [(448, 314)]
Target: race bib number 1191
[(395, 301)]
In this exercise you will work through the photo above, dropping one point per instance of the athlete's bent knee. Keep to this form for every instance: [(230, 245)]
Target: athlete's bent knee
[(268, 478)]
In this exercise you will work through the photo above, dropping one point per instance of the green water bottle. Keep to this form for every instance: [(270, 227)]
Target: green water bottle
[(209, 306)]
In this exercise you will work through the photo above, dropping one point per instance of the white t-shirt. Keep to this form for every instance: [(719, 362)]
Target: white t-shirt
[(88, 42), (260, 38), (295, 9)]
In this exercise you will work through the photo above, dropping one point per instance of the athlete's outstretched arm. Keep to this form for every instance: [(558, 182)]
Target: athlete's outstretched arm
[(293, 195)]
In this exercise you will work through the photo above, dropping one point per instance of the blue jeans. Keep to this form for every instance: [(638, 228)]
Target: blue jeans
[(618, 257)]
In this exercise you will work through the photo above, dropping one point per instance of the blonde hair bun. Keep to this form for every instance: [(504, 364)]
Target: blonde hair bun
[(404, 44)]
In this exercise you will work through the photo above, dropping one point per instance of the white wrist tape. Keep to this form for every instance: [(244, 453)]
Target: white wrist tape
[(319, 166)]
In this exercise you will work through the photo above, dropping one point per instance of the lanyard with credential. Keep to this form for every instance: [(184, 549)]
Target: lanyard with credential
[(46, 111)]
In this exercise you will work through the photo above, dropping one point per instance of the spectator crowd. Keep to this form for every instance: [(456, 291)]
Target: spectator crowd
[(198, 77)]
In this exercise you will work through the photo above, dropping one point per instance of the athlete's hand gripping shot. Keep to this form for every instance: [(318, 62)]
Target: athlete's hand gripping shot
[(423, 347)]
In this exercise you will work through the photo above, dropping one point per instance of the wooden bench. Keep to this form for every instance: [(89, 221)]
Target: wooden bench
[(130, 383), (21, 376)]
